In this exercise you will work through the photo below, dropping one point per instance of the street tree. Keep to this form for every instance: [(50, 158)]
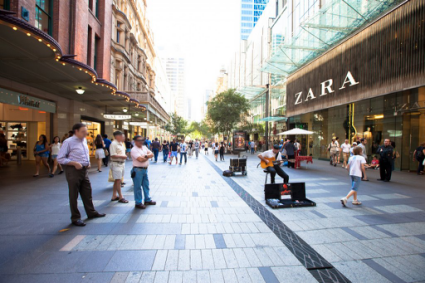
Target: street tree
[(177, 125), (226, 110), (199, 130)]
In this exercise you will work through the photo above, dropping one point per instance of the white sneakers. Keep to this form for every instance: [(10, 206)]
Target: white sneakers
[(344, 202)]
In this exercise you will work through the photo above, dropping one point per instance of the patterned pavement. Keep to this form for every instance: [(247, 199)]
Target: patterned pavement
[(209, 228)]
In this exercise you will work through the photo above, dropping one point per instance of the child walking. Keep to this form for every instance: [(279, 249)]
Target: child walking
[(355, 167)]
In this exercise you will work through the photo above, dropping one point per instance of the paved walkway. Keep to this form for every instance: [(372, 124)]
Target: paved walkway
[(208, 228)]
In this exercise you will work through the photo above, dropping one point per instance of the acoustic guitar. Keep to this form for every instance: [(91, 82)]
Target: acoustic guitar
[(272, 162)]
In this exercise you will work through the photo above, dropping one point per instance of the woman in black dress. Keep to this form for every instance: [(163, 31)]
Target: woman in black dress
[(221, 151)]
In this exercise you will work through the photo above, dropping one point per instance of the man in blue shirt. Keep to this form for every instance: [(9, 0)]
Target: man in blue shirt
[(148, 143), (107, 143)]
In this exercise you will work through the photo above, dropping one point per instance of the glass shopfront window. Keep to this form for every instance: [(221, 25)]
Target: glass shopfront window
[(399, 117)]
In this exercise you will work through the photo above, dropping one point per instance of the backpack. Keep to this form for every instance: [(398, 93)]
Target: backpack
[(419, 154)]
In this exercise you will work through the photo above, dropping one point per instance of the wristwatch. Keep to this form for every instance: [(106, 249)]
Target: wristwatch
[(146, 156)]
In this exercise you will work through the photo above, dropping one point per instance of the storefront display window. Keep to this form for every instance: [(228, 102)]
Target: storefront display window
[(94, 129), (399, 117)]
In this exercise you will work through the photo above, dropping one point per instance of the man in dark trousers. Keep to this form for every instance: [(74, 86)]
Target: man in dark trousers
[(275, 167), (385, 157), (107, 144), (74, 156)]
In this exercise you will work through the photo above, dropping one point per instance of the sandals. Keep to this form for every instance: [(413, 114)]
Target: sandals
[(123, 200), (35, 175), (115, 199), (356, 202)]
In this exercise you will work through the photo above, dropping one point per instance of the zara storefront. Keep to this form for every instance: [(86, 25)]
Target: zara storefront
[(370, 86)]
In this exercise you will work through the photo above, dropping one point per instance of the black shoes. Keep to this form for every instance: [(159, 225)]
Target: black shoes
[(79, 222), (97, 215)]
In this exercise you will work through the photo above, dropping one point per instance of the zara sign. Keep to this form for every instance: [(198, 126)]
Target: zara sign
[(326, 87)]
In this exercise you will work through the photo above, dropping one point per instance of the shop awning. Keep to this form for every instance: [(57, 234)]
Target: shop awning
[(33, 58), (332, 23), (273, 119)]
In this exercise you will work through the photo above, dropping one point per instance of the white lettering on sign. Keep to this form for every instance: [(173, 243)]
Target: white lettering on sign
[(326, 88), (327, 85), (310, 95), (349, 79), (298, 98)]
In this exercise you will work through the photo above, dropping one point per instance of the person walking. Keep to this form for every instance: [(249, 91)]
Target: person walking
[(196, 145), (338, 150), (222, 147), (345, 148), (107, 143), (165, 147), (155, 148), (74, 156), (100, 152), (206, 148), (333, 152), (183, 152), (128, 146), (41, 153), (54, 150), (362, 145), (216, 149), (118, 158), (419, 156), (140, 155), (190, 148), (174, 148), (355, 167), (386, 154), (290, 151), (274, 153), (252, 145)]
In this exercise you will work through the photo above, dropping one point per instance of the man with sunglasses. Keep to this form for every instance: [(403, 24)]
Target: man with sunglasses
[(140, 155)]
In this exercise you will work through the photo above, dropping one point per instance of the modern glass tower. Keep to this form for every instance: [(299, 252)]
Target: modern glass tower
[(251, 11)]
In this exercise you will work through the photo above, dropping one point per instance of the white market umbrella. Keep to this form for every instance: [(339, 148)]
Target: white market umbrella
[(296, 132)]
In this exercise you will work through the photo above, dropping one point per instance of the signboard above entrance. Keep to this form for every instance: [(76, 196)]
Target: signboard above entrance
[(26, 101)]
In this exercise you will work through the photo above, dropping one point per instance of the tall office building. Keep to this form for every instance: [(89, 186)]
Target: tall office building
[(251, 11), (189, 109), (175, 69)]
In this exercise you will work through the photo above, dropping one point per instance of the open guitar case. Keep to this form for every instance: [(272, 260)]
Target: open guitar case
[(293, 195)]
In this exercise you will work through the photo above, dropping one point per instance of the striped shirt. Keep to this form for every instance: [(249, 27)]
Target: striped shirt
[(74, 149)]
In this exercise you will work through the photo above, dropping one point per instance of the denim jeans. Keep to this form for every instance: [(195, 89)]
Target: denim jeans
[(181, 157), (139, 181), (155, 154), (196, 152), (165, 153)]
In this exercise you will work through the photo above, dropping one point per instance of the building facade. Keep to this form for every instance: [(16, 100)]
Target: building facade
[(369, 86), (76, 61), (175, 67), (251, 11), (133, 63)]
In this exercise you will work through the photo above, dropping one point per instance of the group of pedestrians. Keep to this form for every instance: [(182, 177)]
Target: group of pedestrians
[(42, 151), (75, 159)]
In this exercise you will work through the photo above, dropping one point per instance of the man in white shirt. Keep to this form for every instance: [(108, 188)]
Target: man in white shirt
[(140, 155), (345, 147), (118, 158), (183, 152), (274, 153)]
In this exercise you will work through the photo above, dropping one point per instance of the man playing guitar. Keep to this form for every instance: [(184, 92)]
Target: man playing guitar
[(271, 160)]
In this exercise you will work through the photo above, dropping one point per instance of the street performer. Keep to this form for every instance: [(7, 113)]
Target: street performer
[(140, 155), (267, 156)]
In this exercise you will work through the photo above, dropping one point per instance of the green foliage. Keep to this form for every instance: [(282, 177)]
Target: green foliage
[(177, 125), (199, 130), (254, 128), (226, 110)]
